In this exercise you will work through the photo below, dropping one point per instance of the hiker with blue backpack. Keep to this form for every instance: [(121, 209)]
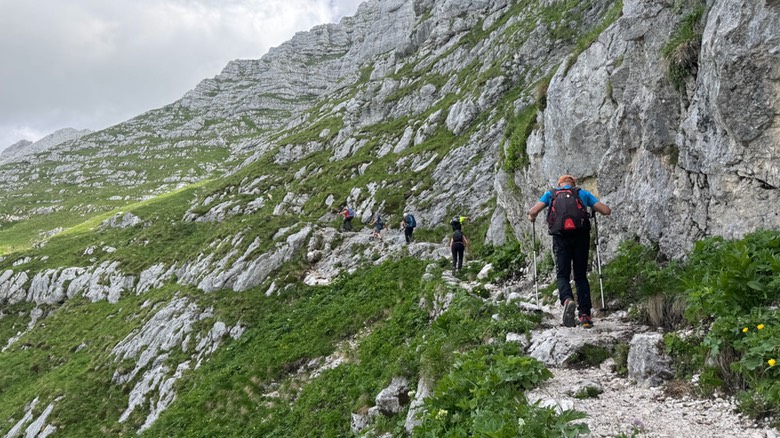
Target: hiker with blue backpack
[(348, 214), (408, 224), (379, 225), (569, 224)]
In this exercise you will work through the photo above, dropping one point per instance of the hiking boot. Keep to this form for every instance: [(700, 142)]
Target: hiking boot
[(568, 312), (586, 321)]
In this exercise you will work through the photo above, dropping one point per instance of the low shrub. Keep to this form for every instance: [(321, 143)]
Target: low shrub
[(483, 395)]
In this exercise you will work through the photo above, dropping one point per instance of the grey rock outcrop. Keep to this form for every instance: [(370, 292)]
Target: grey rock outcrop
[(675, 166), (121, 220), (646, 362), (170, 329), (36, 427), (394, 398), (560, 345), (416, 407)]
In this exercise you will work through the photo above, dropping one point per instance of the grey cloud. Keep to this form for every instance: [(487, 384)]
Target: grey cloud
[(92, 63)]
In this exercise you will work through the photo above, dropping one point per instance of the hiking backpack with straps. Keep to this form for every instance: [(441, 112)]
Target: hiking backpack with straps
[(457, 236), (410, 222), (567, 213), (350, 213)]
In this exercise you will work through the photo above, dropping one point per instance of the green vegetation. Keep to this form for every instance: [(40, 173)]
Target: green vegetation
[(682, 51), (312, 133), (728, 292), (483, 396), (379, 307), (517, 134), (69, 355), (75, 199), (507, 260)]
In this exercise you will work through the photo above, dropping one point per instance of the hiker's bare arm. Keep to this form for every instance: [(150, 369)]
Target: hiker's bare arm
[(534, 211), (602, 208)]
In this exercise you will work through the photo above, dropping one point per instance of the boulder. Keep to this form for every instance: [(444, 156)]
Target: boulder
[(392, 399), (647, 364)]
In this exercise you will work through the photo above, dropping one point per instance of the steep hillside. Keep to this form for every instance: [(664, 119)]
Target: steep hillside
[(183, 273)]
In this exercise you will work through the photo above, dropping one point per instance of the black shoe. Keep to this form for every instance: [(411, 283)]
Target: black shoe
[(586, 321), (569, 306)]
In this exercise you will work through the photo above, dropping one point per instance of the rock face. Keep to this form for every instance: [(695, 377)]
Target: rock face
[(676, 166)]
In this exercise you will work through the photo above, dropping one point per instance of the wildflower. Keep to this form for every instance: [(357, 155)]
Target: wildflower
[(760, 326), (441, 414), (520, 422), (745, 330), (771, 362)]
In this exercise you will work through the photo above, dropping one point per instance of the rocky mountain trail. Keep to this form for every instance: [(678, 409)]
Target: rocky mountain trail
[(624, 408), (641, 401)]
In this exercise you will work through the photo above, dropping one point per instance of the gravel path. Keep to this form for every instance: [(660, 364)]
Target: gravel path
[(627, 409)]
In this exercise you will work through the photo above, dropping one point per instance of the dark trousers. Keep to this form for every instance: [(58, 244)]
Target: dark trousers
[(347, 225), (573, 250), (408, 234), (457, 255)]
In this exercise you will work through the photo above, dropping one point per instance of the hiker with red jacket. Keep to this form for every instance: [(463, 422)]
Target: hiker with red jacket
[(348, 215), (569, 223)]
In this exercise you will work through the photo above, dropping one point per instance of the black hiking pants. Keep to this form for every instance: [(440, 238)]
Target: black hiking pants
[(573, 250), (408, 234), (347, 225), (458, 248)]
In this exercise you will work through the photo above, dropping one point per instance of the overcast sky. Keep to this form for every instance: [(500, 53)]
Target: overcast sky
[(89, 64)]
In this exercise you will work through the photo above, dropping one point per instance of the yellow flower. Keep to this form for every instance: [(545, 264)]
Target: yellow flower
[(745, 330), (760, 326), (771, 362)]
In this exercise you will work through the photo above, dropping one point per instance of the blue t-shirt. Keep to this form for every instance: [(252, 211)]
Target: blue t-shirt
[(586, 197)]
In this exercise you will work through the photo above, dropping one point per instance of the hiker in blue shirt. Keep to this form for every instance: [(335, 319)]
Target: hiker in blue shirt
[(569, 223), (378, 224)]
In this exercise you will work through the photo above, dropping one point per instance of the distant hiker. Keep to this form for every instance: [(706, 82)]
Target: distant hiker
[(457, 222), (408, 224), (348, 215), (458, 243), (379, 225), (569, 223)]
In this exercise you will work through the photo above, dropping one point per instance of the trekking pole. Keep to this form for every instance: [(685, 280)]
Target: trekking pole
[(536, 281), (598, 259)]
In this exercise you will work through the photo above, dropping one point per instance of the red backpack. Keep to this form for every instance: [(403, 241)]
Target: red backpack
[(567, 213)]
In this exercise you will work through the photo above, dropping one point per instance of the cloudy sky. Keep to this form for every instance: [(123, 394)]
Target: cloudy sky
[(89, 64)]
